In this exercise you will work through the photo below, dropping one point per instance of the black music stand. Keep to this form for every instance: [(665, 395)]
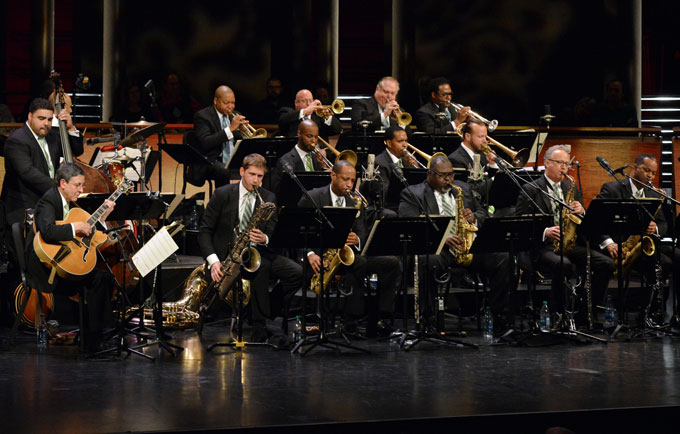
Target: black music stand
[(362, 144), (503, 192), (433, 143), (302, 228), (270, 148), (619, 218), (144, 206), (409, 236), (289, 193), (186, 155)]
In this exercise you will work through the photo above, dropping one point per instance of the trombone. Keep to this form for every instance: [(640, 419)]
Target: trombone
[(347, 154), (248, 131), (337, 107), (519, 158), (427, 157), (491, 125)]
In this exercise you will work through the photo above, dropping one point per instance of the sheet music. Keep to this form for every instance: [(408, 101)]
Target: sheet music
[(540, 140), (233, 152), (154, 252)]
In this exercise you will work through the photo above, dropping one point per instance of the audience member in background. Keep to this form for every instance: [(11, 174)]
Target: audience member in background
[(133, 105), (614, 111), (176, 105), (267, 110)]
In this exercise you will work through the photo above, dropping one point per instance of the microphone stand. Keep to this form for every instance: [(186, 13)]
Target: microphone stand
[(547, 118)]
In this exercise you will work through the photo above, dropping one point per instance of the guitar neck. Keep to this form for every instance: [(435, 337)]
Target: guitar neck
[(103, 207)]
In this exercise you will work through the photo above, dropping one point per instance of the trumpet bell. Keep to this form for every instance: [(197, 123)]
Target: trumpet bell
[(338, 106), (404, 119), (259, 133)]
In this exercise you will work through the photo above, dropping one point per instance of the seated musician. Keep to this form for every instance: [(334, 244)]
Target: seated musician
[(301, 158), (555, 182), (438, 116), (228, 213), (644, 171), (306, 107), (51, 208), (437, 196), (217, 130), (388, 268), (378, 110), (474, 141), (393, 156)]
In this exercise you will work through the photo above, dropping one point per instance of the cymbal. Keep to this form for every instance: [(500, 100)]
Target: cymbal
[(139, 124), (139, 135)]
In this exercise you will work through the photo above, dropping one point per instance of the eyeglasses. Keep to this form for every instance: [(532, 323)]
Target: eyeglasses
[(561, 163), (442, 175), (445, 93)]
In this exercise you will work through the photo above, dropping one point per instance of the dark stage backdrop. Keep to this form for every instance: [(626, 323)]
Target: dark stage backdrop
[(505, 58)]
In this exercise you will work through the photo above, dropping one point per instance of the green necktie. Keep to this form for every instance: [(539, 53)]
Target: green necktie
[(338, 202), (309, 166), (448, 210), (557, 190), (46, 154), (66, 209), (400, 163), (247, 211)]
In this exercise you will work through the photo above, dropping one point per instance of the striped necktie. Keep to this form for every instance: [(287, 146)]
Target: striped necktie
[(46, 154), (338, 202), (640, 193), (309, 165), (448, 210), (66, 209), (247, 210), (557, 191), (226, 146)]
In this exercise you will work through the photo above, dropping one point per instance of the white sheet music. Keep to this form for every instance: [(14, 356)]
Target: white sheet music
[(155, 251)]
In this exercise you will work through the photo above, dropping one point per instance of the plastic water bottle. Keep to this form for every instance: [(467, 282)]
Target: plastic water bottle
[(373, 282), (609, 313), (42, 333), (544, 320), (487, 325), (297, 329)]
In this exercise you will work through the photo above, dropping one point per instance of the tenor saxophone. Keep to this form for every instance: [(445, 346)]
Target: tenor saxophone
[(570, 222)]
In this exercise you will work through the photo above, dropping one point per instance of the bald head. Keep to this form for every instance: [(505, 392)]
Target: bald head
[(224, 100), (303, 99), (308, 135)]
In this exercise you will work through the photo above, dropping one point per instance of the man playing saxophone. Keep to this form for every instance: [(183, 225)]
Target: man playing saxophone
[(438, 195), (555, 182), (644, 170), (229, 211), (388, 268)]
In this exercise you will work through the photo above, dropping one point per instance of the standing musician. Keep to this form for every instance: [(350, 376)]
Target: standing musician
[(554, 181), (52, 207), (228, 212), (306, 107), (393, 156), (379, 108), (644, 170), (388, 268), (438, 197), (301, 158), (32, 156), (217, 130), (474, 141), (438, 116)]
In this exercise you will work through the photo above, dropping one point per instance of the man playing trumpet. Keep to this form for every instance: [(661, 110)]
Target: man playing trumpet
[(438, 116), (217, 129), (380, 109), (306, 107)]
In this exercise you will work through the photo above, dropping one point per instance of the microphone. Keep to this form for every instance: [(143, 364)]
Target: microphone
[(621, 169), (605, 165), (476, 173), (370, 170), (288, 169), (399, 173), (547, 117), (103, 139)]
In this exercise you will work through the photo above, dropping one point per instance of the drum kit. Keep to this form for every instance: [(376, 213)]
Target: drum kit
[(116, 156)]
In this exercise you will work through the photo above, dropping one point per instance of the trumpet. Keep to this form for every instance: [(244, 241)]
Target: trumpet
[(491, 125), (519, 158), (248, 131), (403, 118), (427, 157), (337, 107)]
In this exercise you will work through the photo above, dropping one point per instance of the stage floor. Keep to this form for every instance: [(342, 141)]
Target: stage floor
[(388, 390)]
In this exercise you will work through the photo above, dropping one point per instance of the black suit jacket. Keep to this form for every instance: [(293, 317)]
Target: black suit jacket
[(427, 121), (461, 159), (408, 207), (293, 158), (322, 197), (386, 166), (289, 121), (216, 232), (209, 136), (26, 174), (623, 190), (48, 210)]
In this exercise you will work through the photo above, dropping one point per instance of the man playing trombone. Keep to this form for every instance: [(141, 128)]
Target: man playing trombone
[(217, 129), (438, 116), (304, 155), (306, 107)]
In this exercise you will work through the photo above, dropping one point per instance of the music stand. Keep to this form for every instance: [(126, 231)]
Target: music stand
[(289, 193), (503, 192), (362, 144), (186, 155), (409, 236), (302, 228), (433, 143), (270, 148), (619, 218)]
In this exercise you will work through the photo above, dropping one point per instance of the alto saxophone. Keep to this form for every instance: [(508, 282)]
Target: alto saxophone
[(333, 258), (464, 229), (570, 222)]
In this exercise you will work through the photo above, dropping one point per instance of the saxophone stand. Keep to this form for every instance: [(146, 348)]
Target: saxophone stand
[(239, 343)]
